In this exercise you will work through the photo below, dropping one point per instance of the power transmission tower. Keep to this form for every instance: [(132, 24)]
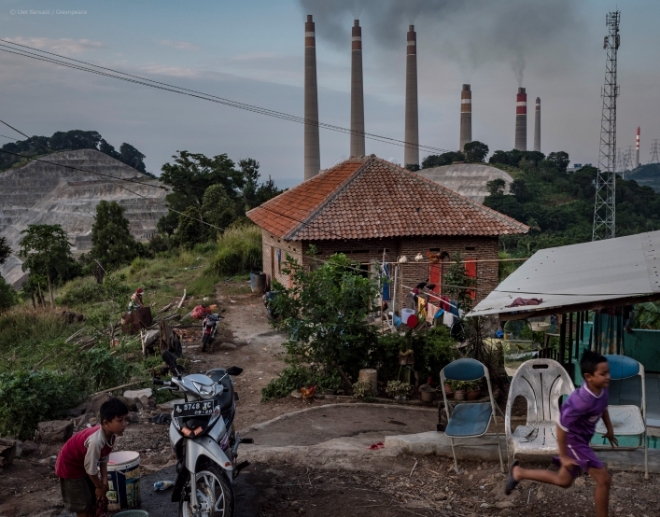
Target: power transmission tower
[(627, 161), (604, 207), (655, 149)]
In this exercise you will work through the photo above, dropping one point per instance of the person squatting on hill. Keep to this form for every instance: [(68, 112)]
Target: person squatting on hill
[(577, 424), (84, 456)]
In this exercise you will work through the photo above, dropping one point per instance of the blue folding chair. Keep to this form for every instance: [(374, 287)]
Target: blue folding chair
[(628, 420), (471, 419)]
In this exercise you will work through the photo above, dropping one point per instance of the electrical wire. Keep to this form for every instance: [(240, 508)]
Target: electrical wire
[(42, 55)]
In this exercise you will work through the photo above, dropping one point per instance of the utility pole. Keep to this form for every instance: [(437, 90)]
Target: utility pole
[(604, 208), (655, 149)]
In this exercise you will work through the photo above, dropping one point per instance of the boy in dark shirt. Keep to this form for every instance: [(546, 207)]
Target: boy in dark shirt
[(85, 455), (577, 424)]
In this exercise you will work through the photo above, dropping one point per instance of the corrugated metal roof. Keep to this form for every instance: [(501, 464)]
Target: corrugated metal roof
[(609, 270)]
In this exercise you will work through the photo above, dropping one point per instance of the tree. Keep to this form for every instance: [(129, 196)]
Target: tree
[(7, 295), (438, 160), (5, 250), (189, 177), (131, 156), (217, 209), (412, 167), (558, 160), (475, 152), (112, 242), (190, 230), (519, 189), (496, 187), (46, 251), (325, 314)]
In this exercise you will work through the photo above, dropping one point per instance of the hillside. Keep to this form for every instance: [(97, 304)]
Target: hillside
[(44, 193), (559, 205), (647, 175)]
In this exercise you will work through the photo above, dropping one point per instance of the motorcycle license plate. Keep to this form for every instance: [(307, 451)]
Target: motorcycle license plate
[(197, 408)]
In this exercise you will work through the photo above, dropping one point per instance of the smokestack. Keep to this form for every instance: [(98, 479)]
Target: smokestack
[(411, 152), (537, 125), (521, 120), (311, 139), (637, 148), (466, 116), (357, 94)]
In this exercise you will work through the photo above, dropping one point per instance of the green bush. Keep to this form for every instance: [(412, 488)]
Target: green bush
[(102, 370), (27, 398), (295, 377), (239, 250), (7, 295)]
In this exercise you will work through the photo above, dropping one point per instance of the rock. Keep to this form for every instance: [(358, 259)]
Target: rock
[(94, 405), (55, 431), (151, 402), (76, 411), (133, 417), (503, 504), (8, 449), (130, 403), (296, 394), (138, 394), (579, 482), (28, 448)]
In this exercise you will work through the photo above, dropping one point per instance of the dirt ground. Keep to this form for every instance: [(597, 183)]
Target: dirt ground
[(408, 486)]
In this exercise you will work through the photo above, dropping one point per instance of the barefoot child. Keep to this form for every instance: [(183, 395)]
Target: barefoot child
[(77, 465), (577, 424)]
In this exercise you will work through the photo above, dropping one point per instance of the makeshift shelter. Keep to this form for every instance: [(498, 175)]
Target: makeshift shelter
[(602, 276)]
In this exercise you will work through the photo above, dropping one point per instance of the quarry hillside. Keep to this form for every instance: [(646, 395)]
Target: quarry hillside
[(64, 188)]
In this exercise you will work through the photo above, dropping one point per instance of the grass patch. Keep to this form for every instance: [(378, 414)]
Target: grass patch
[(239, 250)]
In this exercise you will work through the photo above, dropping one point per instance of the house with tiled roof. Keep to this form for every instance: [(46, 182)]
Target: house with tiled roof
[(371, 210)]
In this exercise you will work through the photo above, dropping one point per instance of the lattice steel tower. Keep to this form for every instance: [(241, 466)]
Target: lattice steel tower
[(604, 208), (655, 149)]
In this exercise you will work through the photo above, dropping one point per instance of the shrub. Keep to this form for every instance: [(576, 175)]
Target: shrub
[(239, 250), (27, 398), (102, 369), (363, 390), (7, 295), (295, 377)]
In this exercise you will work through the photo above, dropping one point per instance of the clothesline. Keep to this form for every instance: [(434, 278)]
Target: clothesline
[(412, 262), (432, 295)]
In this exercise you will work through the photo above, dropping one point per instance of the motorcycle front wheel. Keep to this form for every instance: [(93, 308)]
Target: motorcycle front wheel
[(214, 495), (206, 343)]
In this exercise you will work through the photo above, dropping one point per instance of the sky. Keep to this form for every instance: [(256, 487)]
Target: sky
[(252, 51)]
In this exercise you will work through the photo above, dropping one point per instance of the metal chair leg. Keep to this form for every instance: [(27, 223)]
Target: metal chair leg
[(453, 451), (646, 457)]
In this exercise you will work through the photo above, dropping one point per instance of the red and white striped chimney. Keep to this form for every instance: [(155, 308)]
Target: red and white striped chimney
[(521, 120), (466, 117), (537, 126), (637, 148)]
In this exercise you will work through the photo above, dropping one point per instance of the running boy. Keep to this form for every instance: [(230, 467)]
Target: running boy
[(577, 424), (77, 465)]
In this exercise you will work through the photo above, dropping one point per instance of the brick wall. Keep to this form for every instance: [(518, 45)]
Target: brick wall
[(369, 251), (270, 244)]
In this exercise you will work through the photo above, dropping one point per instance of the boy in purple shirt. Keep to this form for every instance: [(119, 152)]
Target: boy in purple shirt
[(577, 424)]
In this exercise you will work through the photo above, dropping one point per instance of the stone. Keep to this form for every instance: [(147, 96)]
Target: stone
[(138, 394), (296, 394), (579, 482), (130, 403), (133, 417), (504, 504), (28, 448), (94, 405), (55, 431)]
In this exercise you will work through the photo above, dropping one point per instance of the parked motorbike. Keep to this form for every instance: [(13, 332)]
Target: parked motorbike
[(203, 438), (209, 330)]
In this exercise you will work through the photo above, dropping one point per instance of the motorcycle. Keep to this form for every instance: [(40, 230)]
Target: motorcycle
[(203, 439), (210, 328)]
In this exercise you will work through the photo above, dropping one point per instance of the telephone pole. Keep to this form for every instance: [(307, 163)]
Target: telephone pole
[(604, 208)]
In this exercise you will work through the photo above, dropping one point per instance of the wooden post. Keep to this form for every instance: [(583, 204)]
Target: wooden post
[(570, 337)]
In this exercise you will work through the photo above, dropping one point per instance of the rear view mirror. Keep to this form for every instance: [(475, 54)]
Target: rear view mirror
[(234, 371), (170, 361)]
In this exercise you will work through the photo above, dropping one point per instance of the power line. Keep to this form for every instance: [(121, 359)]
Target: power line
[(42, 55)]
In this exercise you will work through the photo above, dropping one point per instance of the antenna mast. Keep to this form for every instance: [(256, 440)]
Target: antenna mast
[(604, 208)]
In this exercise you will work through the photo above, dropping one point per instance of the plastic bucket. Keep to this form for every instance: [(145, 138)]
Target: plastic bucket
[(258, 282), (131, 513), (405, 314), (124, 481)]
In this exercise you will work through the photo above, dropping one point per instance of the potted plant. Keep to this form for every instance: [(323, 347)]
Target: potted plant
[(473, 390), (397, 389), (449, 390), (427, 393), (459, 389)]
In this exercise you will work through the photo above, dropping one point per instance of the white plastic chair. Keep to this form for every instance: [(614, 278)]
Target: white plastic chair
[(471, 419), (628, 420), (542, 382)]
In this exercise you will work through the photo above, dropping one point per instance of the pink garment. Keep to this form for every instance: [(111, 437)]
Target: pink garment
[(521, 302), (431, 310)]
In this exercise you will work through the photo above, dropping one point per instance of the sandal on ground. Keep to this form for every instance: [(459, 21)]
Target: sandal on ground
[(511, 483)]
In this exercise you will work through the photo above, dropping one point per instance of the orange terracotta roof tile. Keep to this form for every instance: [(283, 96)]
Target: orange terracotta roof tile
[(370, 198)]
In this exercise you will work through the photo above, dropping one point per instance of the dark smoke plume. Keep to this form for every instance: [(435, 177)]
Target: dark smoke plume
[(469, 32)]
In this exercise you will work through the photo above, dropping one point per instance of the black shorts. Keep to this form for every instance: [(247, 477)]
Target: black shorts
[(78, 494)]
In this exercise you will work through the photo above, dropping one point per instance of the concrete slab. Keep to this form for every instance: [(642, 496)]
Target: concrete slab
[(485, 448)]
